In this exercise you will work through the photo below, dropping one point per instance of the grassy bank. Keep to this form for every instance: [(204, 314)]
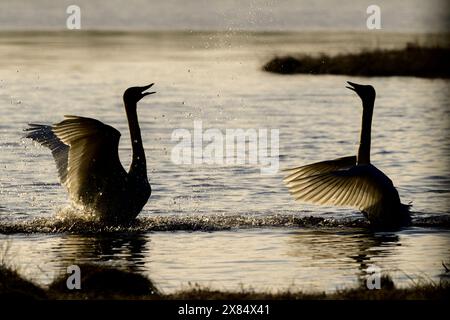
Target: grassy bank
[(413, 60), (109, 283)]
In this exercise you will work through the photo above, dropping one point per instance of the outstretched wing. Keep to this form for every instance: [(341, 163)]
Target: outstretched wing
[(85, 151), (60, 151), (338, 182), (319, 167)]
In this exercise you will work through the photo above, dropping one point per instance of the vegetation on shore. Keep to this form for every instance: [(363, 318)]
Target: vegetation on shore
[(413, 60), (109, 283)]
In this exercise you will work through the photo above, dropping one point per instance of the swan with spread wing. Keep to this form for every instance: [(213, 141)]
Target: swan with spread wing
[(86, 152), (352, 181)]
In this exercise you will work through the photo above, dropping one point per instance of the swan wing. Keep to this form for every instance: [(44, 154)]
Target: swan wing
[(90, 156), (356, 186), (44, 135), (319, 167)]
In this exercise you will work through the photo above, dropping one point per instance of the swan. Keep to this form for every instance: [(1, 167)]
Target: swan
[(87, 159), (352, 181)]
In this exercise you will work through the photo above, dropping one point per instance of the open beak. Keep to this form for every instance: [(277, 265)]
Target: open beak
[(145, 88), (353, 86)]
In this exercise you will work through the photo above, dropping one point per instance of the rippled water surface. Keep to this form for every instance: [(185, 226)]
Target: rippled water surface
[(233, 225)]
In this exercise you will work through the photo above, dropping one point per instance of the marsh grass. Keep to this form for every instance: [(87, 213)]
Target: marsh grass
[(14, 286), (99, 282), (413, 60)]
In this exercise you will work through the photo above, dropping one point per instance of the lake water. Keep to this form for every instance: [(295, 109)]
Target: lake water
[(221, 226), (257, 15)]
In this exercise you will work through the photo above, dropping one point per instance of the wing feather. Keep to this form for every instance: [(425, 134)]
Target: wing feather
[(44, 135), (89, 148), (337, 182), (319, 167)]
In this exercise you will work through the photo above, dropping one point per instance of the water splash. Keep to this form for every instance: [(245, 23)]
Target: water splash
[(67, 221)]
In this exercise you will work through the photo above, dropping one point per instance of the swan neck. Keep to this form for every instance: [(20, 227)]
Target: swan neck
[(366, 130), (138, 163)]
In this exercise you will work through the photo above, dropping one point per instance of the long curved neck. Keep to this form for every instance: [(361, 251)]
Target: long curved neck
[(138, 164), (366, 129)]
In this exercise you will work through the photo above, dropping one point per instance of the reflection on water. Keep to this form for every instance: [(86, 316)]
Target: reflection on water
[(217, 78), (125, 250), (264, 259)]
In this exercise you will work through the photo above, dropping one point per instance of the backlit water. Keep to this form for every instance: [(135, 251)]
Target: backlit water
[(221, 226)]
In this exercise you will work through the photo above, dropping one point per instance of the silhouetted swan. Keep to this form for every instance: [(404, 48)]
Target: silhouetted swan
[(352, 181), (87, 158)]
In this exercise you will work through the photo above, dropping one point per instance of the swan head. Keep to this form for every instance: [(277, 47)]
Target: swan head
[(365, 92), (135, 94)]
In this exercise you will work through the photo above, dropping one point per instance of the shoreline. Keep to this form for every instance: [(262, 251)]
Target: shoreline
[(100, 283)]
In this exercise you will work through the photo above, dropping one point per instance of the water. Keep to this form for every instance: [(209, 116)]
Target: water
[(221, 225), (262, 259), (274, 15)]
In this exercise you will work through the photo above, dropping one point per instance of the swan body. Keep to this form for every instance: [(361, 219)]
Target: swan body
[(352, 181), (86, 154)]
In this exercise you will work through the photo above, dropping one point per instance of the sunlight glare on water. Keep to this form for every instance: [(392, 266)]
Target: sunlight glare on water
[(217, 79), (263, 259)]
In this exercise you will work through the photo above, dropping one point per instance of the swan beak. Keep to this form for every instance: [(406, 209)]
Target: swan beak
[(354, 86), (145, 88)]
